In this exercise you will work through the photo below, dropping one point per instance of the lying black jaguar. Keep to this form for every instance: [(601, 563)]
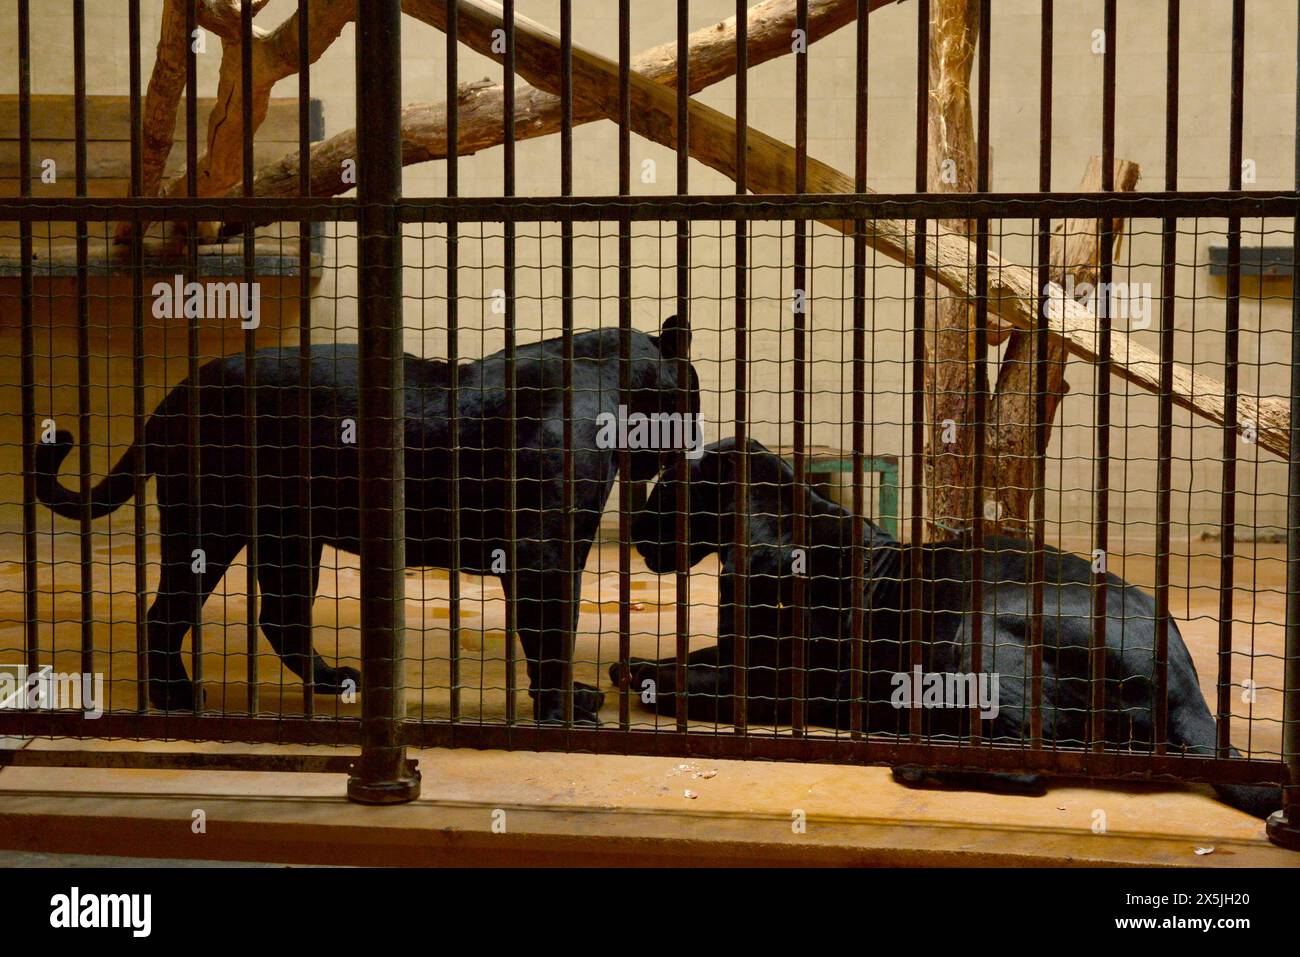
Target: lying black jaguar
[(946, 621), (287, 576)]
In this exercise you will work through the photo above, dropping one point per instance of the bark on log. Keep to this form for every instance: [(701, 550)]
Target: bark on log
[(1076, 253), (163, 96), (224, 17), (949, 366), (949, 258), (275, 56), (712, 53)]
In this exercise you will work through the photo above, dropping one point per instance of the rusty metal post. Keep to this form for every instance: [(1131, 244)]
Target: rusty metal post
[(1284, 825), (382, 775)]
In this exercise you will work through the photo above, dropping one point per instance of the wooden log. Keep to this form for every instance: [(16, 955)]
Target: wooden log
[(1076, 249), (712, 53), (163, 96), (274, 56), (223, 17), (167, 82), (949, 365), (949, 258)]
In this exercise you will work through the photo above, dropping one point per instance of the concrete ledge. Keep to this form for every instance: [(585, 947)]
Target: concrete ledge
[(497, 808)]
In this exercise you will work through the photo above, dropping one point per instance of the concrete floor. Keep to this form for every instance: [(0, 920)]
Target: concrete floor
[(569, 807)]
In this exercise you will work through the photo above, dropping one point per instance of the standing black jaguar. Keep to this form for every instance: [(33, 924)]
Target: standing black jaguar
[(220, 522), (946, 607)]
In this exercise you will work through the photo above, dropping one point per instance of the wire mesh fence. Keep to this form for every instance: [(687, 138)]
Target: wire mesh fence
[(965, 482)]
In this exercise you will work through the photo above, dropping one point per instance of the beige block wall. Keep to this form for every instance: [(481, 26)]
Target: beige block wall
[(1015, 141)]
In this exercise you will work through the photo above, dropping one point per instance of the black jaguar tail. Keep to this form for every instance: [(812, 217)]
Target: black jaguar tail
[(1259, 800), (108, 496), (1197, 732)]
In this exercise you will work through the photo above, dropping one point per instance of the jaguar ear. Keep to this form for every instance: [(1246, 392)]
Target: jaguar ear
[(675, 338)]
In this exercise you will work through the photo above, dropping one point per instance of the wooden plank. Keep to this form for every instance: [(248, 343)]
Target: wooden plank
[(111, 159), (109, 118), (1268, 262), (818, 453), (271, 259), (105, 188)]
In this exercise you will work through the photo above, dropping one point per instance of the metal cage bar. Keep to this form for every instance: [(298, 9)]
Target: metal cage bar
[(382, 775), (453, 353), (858, 654), (1164, 477), (1231, 427), (740, 590), (625, 689), (1042, 426), (682, 582)]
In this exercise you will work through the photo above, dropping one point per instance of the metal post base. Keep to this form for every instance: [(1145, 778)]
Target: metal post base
[(1284, 831), (391, 790)]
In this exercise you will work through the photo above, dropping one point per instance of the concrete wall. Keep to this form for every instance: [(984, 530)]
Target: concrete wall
[(1140, 123)]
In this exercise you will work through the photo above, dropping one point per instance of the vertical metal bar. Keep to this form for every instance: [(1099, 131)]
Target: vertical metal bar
[(83, 343), (1284, 825), (508, 189), (1101, 539), (857, 652), (624, 361), (305, 553), (799, 663), (1042, 428), (453, 352), (28, 345), (683, 578), (137, 367), (1232, 325), (915, 539), (569, 593), (194, 481), (250, 360), (740, 524), (382, 775), (1165, 426), (981, 380)]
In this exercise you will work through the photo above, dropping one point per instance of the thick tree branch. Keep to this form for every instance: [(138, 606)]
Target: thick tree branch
[(1011, 443), (950, 328), (712, 53), (223, 17), (163, 96), (274, 55)]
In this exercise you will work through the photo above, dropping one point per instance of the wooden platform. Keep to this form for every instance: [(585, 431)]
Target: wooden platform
[(827, 460)]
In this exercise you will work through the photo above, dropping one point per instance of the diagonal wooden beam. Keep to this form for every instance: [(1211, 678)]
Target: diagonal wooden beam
[(949, 257), (481, 103)]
